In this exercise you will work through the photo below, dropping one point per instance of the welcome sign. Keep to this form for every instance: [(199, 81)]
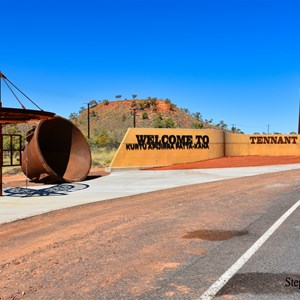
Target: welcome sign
[(273, 139), (169, 142), (261, 144), (149, 147)]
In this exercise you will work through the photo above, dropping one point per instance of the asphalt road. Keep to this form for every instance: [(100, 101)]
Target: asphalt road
[(170, 244), (273, 272)]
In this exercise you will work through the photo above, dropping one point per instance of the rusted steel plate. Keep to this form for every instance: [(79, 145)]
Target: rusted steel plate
[(56, 152)]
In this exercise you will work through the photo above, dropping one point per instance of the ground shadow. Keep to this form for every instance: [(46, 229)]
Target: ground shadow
[(214, 235), (262, 283), (91, 177), (55, 190)]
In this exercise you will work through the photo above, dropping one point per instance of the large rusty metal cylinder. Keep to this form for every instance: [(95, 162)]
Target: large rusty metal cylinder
[(56, 152)]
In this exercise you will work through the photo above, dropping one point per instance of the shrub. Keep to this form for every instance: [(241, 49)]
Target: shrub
[(102, 140), (133, 103), (169, 123), (93, 114), (157, 121), (197, 125), (173, 107), (142, 104), (154, 107)]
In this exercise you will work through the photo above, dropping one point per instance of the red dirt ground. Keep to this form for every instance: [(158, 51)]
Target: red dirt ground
[(19, 179), (232, 162)]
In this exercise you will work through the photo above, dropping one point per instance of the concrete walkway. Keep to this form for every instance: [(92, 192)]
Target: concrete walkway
[(19, 203)]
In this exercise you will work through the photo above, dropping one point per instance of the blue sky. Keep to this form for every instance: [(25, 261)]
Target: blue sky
[(231, 60)]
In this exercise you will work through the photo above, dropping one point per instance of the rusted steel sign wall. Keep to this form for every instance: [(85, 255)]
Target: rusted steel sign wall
[(148, 147), (258, 144), (162, 146)]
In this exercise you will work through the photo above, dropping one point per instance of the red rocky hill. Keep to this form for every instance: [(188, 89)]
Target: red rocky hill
[(117, 116)]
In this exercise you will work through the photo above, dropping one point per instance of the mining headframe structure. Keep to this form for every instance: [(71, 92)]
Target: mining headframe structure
[(9, 115)]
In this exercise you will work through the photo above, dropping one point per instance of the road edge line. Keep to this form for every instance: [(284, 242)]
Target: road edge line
[(215, 287)]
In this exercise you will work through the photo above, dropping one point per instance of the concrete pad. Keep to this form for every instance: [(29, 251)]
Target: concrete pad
[(18, 203)]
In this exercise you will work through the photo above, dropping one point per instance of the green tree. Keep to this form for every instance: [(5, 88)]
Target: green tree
[(186, 111), (210, 121), (233, 129), (73, 116), (81, 110), (222, 125), (198, 116), (93, 103)]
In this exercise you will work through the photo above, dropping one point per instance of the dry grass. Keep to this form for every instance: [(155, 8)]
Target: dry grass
[(11, 170), (103, 157)]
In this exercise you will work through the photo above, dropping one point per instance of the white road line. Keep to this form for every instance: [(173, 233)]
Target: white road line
[(214, 288)]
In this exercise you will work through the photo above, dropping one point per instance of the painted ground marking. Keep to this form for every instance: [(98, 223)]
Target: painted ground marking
[(215, 287)]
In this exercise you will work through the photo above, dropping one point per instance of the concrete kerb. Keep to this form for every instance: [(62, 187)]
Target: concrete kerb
[(126, 169), (117, 185)]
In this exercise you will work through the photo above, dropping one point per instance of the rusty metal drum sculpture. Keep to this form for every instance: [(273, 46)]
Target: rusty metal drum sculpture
[(56, 151)]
